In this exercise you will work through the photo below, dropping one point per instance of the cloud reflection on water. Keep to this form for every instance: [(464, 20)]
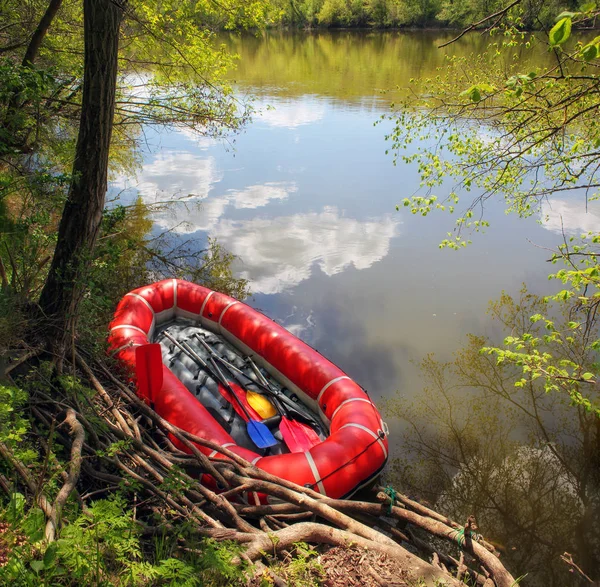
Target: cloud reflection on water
[(204, 214), (173, 174), (293, 113), (275, 254), (570, 216), (279, 253)]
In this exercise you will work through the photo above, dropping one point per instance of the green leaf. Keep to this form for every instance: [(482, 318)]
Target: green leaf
[(587, 376), (589, 52), (474, 94), (37, 566), (560, 32), (588, 7), (566, 14), (50, 555)]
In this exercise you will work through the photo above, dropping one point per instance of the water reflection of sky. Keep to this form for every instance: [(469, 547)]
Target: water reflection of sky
[(306, 199), (570, 216)]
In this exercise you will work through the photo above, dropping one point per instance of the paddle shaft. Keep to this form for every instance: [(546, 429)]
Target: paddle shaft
[(259, 433), (186, 349), (228, 387), (285, 403), (297, 436)]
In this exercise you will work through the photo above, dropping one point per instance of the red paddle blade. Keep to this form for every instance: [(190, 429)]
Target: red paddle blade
[(149, 370), (298, 436), (241, 395)]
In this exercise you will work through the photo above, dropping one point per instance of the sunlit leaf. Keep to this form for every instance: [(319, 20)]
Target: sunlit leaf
[(560, 32)]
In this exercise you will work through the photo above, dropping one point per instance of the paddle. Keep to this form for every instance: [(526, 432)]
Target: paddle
[(297, 436), (149, 370), (290, 406), (258, 432), (259, 403)]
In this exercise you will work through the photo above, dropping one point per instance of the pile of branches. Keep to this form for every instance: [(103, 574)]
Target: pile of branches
[(389, 524)]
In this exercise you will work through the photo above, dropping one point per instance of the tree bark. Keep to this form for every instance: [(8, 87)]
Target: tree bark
[(40, 32), (82, 214)]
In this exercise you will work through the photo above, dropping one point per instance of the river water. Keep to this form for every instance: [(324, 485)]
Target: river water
[(306, 197)]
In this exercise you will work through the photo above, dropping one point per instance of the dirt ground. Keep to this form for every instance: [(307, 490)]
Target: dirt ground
[(347, 567)]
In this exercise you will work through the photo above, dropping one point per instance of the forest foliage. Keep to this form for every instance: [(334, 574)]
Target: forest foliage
[(537, 14)]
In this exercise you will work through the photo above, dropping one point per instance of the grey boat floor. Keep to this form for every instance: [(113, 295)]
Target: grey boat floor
[(203, 385)]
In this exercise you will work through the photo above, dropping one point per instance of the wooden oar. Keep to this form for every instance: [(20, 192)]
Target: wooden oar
[(297, 436), (149, 370), (258, 432)]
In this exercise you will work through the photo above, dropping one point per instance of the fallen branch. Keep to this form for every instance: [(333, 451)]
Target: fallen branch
[(72, 477)]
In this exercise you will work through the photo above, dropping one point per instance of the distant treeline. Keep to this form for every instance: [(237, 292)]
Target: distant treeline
[(534, 14)]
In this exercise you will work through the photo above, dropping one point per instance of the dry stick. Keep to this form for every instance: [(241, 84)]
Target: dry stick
[(74, 470), (47, 448), (421, 509), (447, 559), (319, 507), (302, 516), (5, 484), (23, 359), (150, 486), (500, 13), (176, 432), (568, 558), (23, 472), (387, 527), (193, 509), (3, 276), (204, 492), (103, 393), (279, 524), (256, 511), (220, 503)]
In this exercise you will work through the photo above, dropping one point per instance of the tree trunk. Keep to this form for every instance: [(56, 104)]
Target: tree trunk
[(80, 222), (40, 32)]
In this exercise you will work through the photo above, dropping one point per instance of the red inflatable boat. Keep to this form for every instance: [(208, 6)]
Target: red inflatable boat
[(355, 448)]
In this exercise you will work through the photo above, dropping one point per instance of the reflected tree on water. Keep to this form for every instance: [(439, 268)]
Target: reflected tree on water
[(525, 462)]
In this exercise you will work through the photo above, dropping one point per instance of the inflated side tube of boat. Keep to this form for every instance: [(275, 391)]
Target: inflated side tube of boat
[(356, 448)]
